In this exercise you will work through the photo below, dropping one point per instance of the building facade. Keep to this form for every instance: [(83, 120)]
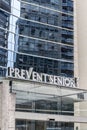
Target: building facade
[(4, 23), (38, 66)]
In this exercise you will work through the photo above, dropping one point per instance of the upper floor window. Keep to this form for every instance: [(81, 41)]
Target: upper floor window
[(6, 1)]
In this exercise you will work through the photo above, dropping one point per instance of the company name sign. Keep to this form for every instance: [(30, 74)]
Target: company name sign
[(40, 77)]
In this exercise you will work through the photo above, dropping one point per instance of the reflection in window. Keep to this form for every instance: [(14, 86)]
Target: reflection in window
[(43, 125)]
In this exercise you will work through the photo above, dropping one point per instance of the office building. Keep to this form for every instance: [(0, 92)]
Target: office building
[(4, 23), (39, 68), (81, 8)]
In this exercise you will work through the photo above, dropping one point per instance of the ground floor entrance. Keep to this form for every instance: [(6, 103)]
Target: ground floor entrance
[(43, 125), (37, 106)]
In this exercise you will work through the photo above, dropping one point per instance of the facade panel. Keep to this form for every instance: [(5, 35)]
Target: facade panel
[(38, 34)]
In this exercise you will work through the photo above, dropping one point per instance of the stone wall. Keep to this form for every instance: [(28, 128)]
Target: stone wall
[(7, 107)]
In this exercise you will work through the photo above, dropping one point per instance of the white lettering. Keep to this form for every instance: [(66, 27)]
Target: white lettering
[(41, 77), (50, 79), (34, 76), (72, 83), (10, 72), (55, 80), (45, 78), (23, 74), (60, 82), (29, 73), (67, 82), (17, 73)]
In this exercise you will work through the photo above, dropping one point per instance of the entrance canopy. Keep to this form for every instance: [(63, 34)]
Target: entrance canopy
[(45, 98), (48, 91)]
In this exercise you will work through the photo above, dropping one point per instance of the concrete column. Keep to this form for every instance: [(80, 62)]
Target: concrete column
[(7, 107), (81, 21), (0, 106)]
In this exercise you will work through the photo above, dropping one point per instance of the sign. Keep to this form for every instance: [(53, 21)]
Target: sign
[(41, 77)]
